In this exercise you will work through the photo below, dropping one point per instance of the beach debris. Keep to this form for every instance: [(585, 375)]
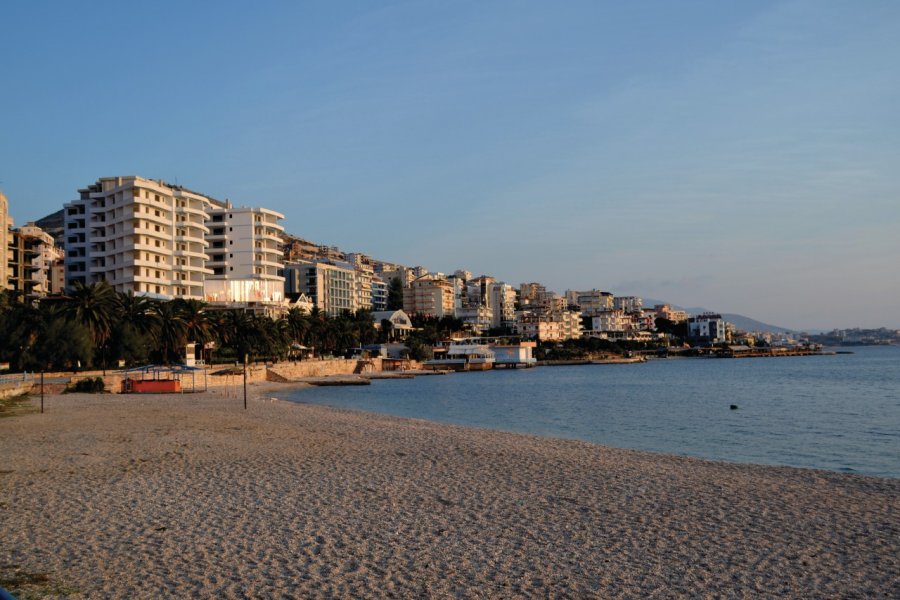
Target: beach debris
[(733, 407)]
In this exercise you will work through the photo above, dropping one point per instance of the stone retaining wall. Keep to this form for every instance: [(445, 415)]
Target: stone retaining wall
[(322, 368), (8, 390)]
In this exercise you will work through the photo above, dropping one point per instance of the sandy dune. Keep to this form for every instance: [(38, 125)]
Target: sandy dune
[(180, 496)]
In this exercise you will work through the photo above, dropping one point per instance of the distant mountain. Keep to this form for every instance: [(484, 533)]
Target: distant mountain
[(52, 221), (54, 225), (739, 321)]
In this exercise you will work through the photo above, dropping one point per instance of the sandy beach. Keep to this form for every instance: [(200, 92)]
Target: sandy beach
[(191, 496)]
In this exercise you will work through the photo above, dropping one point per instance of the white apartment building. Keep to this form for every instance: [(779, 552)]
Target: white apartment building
[(154, 238), (379, 294), (365, 272), (549, 326), (628, 303), (245, 256), (331, 286), (139, 235), (502, 300), (611, 321), (593, 302), (708, 327)]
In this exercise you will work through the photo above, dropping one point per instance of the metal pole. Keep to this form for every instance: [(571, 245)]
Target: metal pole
[(245, 382), (42, 391)]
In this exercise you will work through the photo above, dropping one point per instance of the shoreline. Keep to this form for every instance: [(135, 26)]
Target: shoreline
[(191, 495)]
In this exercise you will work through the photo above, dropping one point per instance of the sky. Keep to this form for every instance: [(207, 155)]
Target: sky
[(740, 156)]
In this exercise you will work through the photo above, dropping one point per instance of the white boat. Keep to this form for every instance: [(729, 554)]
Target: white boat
[(464, 357)]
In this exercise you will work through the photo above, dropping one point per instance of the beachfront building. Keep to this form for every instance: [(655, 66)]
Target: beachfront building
[(400, 323), (139, 235), (32, 255), (5, 226), (610, 323), (707, 327), (245, 256), (330, 285), (549, 326), (155, 239), (429, 295)]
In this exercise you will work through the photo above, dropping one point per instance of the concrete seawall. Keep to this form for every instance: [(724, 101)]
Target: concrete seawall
[(8, 390)]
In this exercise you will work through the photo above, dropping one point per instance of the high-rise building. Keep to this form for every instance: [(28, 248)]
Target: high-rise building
[(166, 241), (245, 256), (32, 255), (331, 286), (379, 294), (364, 275), (502, 298), (429, 295), (138, 235)]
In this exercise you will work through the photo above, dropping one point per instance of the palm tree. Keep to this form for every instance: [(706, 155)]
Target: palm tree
[(171, 335), (298, 325), (236, 329), (139, 311), (92, 306), (196, 320)]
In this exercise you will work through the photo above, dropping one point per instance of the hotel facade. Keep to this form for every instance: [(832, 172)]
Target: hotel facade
[(152, 238)]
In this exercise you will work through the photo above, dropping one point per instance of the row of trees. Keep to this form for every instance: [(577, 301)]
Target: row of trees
[(95, 326)]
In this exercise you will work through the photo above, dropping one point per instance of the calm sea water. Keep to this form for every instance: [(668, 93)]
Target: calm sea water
[(831, 412)]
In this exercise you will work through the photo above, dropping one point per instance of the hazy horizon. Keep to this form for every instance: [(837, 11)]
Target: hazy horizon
[(741, 157)]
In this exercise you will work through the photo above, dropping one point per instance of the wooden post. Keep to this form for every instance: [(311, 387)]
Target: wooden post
[(42, 391), (245, 382)]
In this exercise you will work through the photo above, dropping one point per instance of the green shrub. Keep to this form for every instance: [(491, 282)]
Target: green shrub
[(88, 385)]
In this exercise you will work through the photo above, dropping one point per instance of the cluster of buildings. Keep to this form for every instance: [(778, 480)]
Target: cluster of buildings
[(165, 241)]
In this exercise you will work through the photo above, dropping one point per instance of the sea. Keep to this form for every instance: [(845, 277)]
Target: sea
[(837, 412)]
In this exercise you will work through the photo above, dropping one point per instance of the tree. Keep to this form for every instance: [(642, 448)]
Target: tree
[(171, 334), (298, 325), (196, 322), (60, 345), (395, 294), (93, 307)]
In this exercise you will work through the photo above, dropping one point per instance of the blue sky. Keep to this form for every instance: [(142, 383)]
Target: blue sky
[(742, 156)]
